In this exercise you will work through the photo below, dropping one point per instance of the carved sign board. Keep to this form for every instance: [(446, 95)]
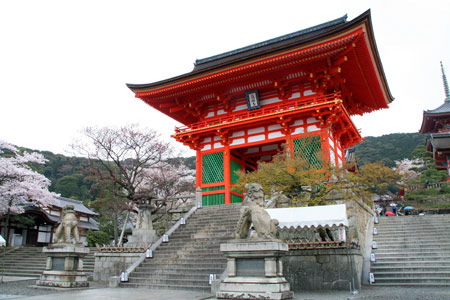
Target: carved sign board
[(250, 267), (252, 100), (58, 263)]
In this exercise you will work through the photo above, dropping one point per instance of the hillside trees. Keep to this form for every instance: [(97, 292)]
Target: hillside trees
[(19, 184), (388, 148), (427, 168)]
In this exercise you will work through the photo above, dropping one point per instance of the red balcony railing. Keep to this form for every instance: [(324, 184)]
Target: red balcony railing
[(303, 102)]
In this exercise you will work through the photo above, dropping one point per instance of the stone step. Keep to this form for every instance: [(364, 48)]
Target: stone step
[(161, 256), (200, 237), (173, 275), (191, 247), (177, 270), (171, 266), (22, 274), (177, 251), (424, 274), (417, 268), (412, 223), (18, 265), (414, 246), (31, 262), (194, 233), (192, 253), (194, 243), (408, 253), (186, 259), (428, 263), (414, 280), (405, 284), (382, 259), (411, 227), (168, 281), (414, 234), (412, 251), (166, 287)]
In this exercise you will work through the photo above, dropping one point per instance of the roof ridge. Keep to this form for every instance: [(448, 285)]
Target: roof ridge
[(446, 89), (340, 20), (71, 200)]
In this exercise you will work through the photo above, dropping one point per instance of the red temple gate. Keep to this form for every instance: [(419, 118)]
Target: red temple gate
[(300, 89)]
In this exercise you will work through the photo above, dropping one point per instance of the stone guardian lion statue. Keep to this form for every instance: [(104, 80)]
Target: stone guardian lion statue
[(68, 227), (253, 212)]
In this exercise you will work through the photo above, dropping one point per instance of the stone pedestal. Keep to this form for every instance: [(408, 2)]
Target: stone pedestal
[(64, 266), (255, 271), (143, 235)]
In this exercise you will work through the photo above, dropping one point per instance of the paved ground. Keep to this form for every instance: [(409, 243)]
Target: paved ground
[(16, 288)]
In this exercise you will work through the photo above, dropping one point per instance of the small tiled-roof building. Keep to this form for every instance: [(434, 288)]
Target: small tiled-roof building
[(46, 219)]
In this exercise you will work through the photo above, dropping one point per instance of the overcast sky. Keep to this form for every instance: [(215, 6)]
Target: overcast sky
[(64, 64)]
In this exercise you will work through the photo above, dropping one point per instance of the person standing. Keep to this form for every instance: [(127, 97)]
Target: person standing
[(394, 208)]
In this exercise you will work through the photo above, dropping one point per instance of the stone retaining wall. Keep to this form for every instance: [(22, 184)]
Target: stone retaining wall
[(109, 264), (163, 221), (324, 269)]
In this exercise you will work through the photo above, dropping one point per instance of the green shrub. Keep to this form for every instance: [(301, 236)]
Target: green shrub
[(97, 237), (422, 193), (440, 205)]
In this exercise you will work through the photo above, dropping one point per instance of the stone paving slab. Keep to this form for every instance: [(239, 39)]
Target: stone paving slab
[(120, 293), (22, 290), (15, 278)]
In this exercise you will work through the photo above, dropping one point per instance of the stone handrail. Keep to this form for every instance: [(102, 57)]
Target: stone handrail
[(158, 242)]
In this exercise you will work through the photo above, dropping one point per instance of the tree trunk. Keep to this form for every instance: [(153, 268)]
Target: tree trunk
[(116, 228), (123, 229), (8, 215)]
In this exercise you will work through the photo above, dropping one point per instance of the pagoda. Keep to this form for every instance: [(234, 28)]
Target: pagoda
[(298, 90), (436, 123)]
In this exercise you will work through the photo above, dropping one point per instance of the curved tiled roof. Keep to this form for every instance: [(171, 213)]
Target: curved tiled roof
[(286, 37), (78, 205), (444, 108)]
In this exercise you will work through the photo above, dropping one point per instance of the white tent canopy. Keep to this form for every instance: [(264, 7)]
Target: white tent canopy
[(2, 241), (327, 215)]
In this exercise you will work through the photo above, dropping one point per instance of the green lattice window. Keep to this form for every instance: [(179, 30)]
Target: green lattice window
[(213, 188), (235, 198), (234, 166), (214, 199), (310, 149), (212, 167)]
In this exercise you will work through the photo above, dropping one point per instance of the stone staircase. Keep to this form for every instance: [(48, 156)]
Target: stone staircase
[(192, 253), (30, 262), (412, 251)]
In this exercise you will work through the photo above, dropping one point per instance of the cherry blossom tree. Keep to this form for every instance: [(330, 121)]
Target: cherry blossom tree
[(407, 170), (133, 161), (19, 184), (120, 157), (172, 185)]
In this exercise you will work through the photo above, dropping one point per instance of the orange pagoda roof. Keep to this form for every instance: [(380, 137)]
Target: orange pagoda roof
[(302, 52)]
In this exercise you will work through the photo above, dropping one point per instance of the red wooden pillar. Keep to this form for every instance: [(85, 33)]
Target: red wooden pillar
[(198, 169), (227, 173), (289, 145), (325, 147)]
